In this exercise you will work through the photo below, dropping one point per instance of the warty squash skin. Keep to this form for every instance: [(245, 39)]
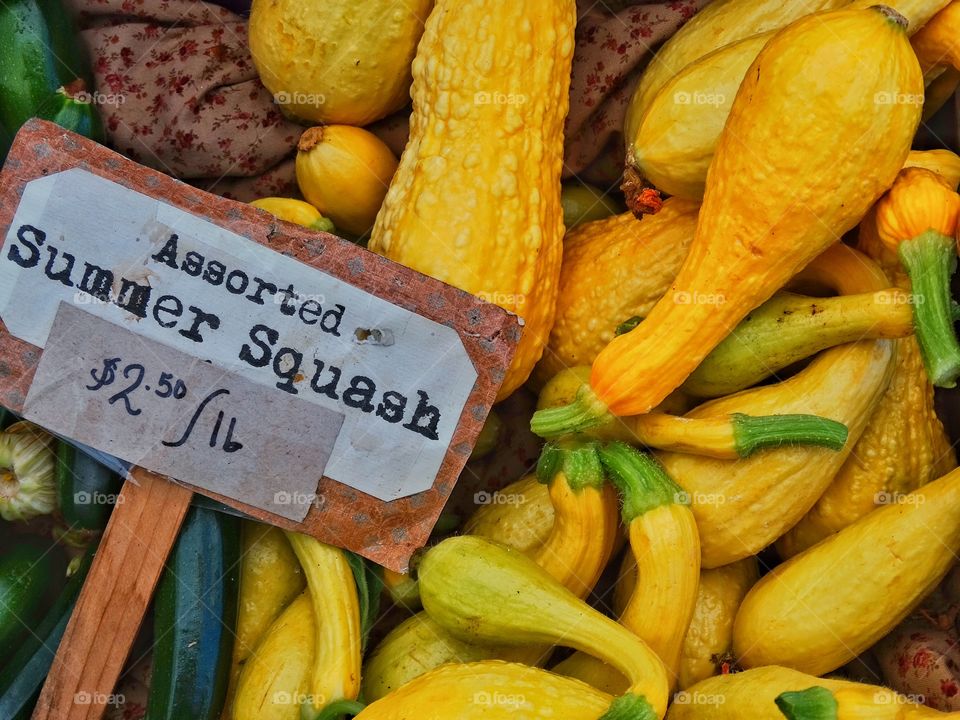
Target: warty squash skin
[(613, 269), (741, 506), (710, 634), (720, 23), (672, 142), (943, 162), (762, 220), (337, 62), (476, 199), (523, 521), (823, 607), (490, 690)]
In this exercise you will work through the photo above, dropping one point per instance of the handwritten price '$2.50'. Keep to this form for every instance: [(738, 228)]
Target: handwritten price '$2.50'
[(167, 387)]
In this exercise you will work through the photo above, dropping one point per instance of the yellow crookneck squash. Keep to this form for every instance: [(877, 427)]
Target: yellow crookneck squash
[(270, 578), (938, 42), (762, 219), (823, 607), (613, 269), (665, 547), (476, 199), (334, 680), (493, 690), (754, 694), (672, 134), (853, 703), (520, 515), (480, 591), (741, 506)]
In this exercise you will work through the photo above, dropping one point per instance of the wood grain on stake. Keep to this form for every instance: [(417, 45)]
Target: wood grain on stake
[(114, 598)]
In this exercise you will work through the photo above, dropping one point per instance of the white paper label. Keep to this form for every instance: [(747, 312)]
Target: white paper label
[(400, 380)]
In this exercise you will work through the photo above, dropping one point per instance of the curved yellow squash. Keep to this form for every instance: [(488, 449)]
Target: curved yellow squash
[(741, 506), (337, 61), (613, 269), (722, 22), (767, 211), (823, 607), (673, 133), (476, 199), (487, 691)]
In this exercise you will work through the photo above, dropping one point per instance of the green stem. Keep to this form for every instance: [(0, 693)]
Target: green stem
[(336, 709), (585, 412), (816, 703), (752, 433), (641, 480), (930, 259), (578, 460), (629, 707)]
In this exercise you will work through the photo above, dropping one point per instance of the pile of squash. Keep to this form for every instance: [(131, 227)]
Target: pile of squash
[(743, 487)]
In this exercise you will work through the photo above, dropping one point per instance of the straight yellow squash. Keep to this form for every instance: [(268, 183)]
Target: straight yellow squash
[(476, 199), (823, 607)]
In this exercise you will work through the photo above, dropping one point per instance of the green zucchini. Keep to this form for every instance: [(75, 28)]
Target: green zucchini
[(22, 676), (28, 571), (86, 488), (195, 612), (43, 71)]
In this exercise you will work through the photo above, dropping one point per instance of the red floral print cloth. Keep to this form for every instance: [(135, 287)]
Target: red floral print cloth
[(178, 91)]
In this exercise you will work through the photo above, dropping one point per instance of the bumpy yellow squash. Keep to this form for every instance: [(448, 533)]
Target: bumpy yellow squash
[(937, 42), (671, 142), (761, 221), (613, 269), (823, 607), (743, 505), (722, 22), (709, 637), (853, 703), (520, 515), (476, 199), (339, 61)]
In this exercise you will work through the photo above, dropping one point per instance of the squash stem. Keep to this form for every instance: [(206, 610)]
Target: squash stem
[(930, 259), (630, 707), (815, 703), (585, 412), (752, 433), (578, 461), (333, 711), (641, 480)]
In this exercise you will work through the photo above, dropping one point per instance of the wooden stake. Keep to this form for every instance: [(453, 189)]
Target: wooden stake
[(115, 597)]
